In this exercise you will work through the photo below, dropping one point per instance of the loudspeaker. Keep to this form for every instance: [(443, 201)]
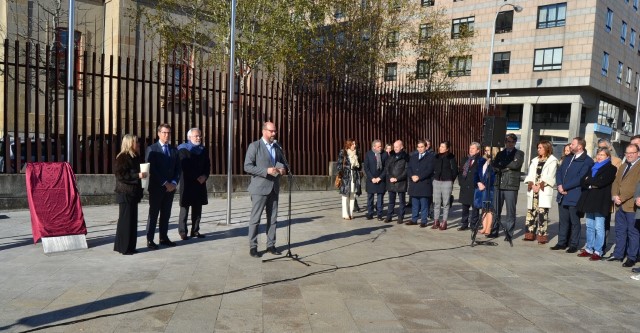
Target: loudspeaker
[(494, 131)]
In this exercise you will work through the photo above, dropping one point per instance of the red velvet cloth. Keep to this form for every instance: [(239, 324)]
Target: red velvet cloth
[(54, 201)]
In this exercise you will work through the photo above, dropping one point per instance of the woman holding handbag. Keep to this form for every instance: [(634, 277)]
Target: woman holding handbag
[(348, 167), (540, 181), (483, 195)]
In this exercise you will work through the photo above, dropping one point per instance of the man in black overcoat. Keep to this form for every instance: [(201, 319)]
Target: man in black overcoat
[(374, 162), (468, 170)]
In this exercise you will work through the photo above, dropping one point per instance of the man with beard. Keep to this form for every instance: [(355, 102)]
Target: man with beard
[(467, 184), (195, 165)]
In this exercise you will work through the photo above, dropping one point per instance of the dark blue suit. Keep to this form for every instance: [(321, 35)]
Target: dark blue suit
[(163, 169), (372, 171), (421, 190), (569, 175)]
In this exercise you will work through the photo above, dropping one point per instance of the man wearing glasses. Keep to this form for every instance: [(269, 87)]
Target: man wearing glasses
[(622, 195), (507, 164), (164, 174), (568, 176)]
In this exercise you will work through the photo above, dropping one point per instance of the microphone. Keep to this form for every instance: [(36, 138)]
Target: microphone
[(277, 145)]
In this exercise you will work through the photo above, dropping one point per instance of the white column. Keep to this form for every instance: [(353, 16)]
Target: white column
[(574, 120), (526, 133)]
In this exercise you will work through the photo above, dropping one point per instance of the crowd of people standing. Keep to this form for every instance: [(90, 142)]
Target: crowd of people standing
[(489, 180)]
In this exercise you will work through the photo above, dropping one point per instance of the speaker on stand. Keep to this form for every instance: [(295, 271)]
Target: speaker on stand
[(494, 130)]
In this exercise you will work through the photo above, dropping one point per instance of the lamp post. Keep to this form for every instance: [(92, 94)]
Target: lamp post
[(518, 9)]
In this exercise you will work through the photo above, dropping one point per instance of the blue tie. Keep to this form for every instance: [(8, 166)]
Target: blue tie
[(273, 154), (165, 148)]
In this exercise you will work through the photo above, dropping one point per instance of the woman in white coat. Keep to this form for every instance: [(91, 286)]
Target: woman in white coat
[(540, 182)]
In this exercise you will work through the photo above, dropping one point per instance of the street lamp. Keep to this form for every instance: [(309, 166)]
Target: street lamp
[(518, 9)]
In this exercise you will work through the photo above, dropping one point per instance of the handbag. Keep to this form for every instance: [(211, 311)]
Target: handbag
[(338, 182)]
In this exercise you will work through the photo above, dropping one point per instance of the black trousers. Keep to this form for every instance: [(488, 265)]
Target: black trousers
[(470, 216), (196, 215)]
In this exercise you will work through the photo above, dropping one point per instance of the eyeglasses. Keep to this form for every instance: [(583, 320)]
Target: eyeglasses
[(165, 132), (272, 131), (630, 152)]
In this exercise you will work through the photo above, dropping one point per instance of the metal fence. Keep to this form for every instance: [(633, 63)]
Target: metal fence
[(117, 95)]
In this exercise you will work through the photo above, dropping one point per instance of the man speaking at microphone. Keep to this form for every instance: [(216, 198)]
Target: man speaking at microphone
[(265, 163)]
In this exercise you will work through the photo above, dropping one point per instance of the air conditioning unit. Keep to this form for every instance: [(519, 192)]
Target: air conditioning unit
[(615, 136)]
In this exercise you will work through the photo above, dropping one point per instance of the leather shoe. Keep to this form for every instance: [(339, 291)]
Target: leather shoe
[(463, 228), (387, 220), (400, 221), (595, 257), (572, 249), (584, 253), (423, 225), (197, 235), (254, 252), (636, 270), (629, 263), (612, 258), (167, 243), (369, 217), (411, 223), (273, 250), (380, 218), (558, 247), (492, 236), (152, 245), (184, 237)]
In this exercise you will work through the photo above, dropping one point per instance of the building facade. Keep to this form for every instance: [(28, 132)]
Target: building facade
[(560, 69)]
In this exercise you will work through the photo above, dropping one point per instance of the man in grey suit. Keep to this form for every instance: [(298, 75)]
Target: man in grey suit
[(265, 164), (163, 179)]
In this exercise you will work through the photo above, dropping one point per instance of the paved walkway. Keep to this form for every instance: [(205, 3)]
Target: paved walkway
[(363, 276)]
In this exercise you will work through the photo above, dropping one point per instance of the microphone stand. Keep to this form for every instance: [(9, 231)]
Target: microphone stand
[(288, 255)]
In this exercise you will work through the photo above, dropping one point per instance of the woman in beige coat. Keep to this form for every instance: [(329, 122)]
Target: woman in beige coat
[(540, 182)]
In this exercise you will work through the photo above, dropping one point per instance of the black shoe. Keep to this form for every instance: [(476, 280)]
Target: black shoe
[(463, 228), (572, 249), (506, 238), (369, 217), (254, 252), (167, 243), (629, 263), (197, 235), (273, 250), (492, 236), (558, 247), (400, 221), (152, 245), (636, 270), (423, 225), (184, 237), (380, 218), (387, 220), (612, 258)]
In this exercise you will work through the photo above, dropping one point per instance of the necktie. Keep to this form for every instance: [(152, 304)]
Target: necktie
[(420, 157), (629, 165), (272, 152), (467, 165), (165, 149), (378, 162)]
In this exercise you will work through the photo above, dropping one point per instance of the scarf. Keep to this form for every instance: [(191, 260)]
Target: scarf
[(353, 158), (597, 166), (465, 169), (194, 149)]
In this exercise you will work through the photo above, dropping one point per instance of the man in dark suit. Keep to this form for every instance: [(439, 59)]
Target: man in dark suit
[(507, 165), (467, 184), (374, 162), (195, 165), (265, 163), (420, 174), (574, 166), (163, 179)]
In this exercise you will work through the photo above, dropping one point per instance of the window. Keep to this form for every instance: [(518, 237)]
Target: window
[(548, 59), (632, 39), (391, 71), (422, 69), (607, 26), (501, 62), (623, 32), (427, 3), (637, 81), (605, 64), (460, 66), (338, 13), (504, 22), (461, 27), (426, 30), (635, 4), (619, 73), (629, 77), (396, 5), (393, 38), (552, 15)]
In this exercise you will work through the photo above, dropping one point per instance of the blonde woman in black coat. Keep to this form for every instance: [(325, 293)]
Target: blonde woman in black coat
[(349, 165), (128, 194)]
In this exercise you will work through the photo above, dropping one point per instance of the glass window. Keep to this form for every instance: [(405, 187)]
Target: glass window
[(460, 66), (501, 62), (504, 22), (391, 71), (623, 32), (426, 30), (629, 77), (609, 22), (632, 39), (462, 26), (427, 3), (635, 4), (605, 64), (422, 69), (619, 73), (393, 38), (550, 16), (547, 59)]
